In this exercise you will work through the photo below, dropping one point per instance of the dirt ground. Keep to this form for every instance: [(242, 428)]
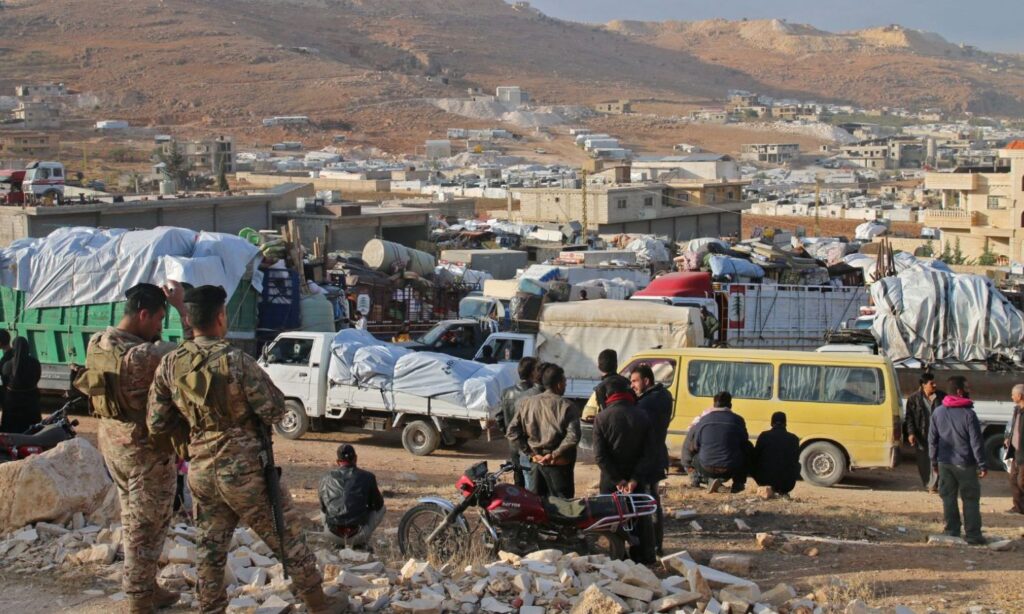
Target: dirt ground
[(883, 518)]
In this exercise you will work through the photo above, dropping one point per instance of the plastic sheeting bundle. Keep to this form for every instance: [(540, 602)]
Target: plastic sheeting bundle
[(932, 316)]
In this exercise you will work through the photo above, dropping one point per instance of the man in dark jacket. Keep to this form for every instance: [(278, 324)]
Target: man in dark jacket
[(1015, 449), (920, 406), (777, 457), (350, 501), (546, 428), (608, 365), (958, 456), (509, 399), (656, 401), (625, 451), (721, 446)]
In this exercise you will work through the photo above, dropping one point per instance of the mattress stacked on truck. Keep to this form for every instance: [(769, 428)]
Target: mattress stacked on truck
[(359, 359)]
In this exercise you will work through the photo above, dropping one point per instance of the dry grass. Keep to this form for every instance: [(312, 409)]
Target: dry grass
[(839, 592)]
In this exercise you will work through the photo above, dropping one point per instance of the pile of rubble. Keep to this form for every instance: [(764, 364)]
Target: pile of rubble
[(543, 581)]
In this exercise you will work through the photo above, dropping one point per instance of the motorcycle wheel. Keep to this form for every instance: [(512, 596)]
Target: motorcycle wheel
[(419, 522), (611, 545)]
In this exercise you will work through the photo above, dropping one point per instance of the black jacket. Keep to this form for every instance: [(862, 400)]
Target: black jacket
[(1016, 448), (657, 404), (601, 390), (509, 398), (721, 440), (919, 416), (623, 445), (348, 495), (777, 457)]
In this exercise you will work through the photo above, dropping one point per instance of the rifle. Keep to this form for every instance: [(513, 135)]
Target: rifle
[(272, 476)]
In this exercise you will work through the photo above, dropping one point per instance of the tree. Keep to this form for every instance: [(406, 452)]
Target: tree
[(947, 253), (222, 176), (988, 257), (927, 250), (958, 254), (176, 166)]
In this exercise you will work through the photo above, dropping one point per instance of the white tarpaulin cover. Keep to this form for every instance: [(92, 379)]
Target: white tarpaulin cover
[(343, 352), (734, 267), (374, 365), (84, 266), (463, 382), (649, 249), (483, 390), (452, 273), (573, 334), (931, 315), (903, 261), (869, 230), (616, 289)]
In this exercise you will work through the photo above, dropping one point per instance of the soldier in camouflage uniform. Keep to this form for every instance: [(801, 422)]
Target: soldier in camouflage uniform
[(120, 363), (224, 397)]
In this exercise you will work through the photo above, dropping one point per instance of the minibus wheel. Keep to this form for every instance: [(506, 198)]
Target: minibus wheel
[(822, 464)]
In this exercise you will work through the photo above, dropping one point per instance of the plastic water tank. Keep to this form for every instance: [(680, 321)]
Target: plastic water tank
[(167, 188), (317, 314), (390, 257)]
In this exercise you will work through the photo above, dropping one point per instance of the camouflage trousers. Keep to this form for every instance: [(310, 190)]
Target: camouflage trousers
[(146, 483), (234, 493)]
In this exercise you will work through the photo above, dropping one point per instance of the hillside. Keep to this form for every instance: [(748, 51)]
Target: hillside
[(369, 65)]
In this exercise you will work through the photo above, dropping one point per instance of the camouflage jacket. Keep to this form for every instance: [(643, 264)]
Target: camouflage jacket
[(251, 397), (138, 366)]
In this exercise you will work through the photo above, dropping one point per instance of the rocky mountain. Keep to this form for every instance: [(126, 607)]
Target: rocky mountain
[(369, 64)]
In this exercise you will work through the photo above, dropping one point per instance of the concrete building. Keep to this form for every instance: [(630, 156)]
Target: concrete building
[(775, 153), (793, 112), (349, 226), (27, 144), (617, 107), (228, 214), (40, 90), (710, 116), (705, 166), (37, 115), (982, 207), (437, 149), (205, 156), (890, 153), (628, 208), (511, 94)]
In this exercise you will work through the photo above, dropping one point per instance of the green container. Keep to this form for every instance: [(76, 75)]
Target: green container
[(60, 335)]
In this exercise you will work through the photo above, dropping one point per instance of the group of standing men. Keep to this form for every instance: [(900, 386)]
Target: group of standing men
[(946, 435), (205, 400), (543, 429)]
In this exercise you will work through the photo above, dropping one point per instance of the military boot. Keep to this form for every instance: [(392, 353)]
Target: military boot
[(163, 598), (319, 603), (142, 604)]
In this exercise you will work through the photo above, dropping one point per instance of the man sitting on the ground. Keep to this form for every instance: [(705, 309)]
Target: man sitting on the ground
[(777, 457), (350, 501), (720, 446)]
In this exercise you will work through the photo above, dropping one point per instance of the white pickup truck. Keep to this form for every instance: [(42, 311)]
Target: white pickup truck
[(298, 362), (572, 335)]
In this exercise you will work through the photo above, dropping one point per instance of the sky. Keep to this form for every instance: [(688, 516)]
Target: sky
[(991, 25)]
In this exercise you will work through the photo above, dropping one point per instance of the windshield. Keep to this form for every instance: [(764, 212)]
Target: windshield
[(433, 335), (474, 308)]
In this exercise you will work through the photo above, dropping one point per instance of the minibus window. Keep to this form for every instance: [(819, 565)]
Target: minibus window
[(744, 380), (664, 370), (810, 383)]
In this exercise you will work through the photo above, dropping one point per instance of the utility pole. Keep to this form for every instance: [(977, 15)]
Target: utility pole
[(586, 231), (817, 201)]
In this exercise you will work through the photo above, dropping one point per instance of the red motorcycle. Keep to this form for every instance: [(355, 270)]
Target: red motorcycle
[(57, 427), (516, 520)]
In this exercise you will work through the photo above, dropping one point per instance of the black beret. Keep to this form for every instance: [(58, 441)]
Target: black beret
[(206, 295)]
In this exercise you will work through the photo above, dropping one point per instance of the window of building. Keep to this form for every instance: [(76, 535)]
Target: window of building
[(812, 383), (620, 203), (648, 201), (745, 380), (994, 202)]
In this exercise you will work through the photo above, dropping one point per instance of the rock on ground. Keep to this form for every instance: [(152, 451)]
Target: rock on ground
[(54, 485)]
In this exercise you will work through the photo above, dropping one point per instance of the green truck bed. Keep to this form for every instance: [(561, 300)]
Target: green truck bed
[(59, 336)]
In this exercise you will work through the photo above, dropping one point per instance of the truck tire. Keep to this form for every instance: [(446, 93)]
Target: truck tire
[(420, 438), (993, 444), (822, 464), (295, 423)]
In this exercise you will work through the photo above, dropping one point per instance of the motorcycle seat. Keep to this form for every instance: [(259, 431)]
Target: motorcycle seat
[(571, 511), (49, 437)]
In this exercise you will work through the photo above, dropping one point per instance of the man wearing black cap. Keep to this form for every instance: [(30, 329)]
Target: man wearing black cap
[(120, 363), (225, 397), (350, 501), (777, 457)]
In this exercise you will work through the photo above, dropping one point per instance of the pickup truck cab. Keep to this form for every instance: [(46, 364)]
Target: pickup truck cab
[(460, 338), (298, 363)]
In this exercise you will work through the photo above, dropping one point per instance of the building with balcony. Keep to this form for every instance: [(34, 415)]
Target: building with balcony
[(982, 207), (205, 157), (775, 153), (27, 144)]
